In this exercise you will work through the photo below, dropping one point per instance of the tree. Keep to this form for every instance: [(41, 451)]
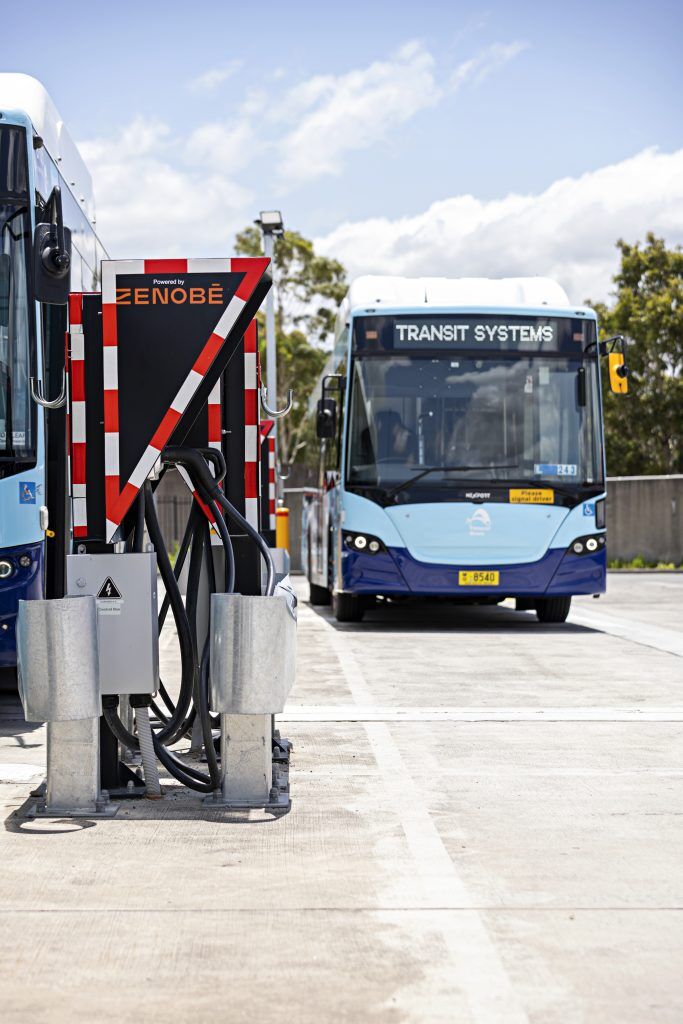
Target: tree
[(644, 429), (308, 289)]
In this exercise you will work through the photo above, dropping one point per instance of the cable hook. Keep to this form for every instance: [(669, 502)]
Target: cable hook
[(38, 395), (276, 414)]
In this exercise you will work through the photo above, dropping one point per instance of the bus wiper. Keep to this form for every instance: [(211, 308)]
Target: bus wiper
[(443, 469)]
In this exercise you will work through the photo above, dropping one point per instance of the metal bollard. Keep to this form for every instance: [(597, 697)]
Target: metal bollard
[(59, 684), (253, 656)]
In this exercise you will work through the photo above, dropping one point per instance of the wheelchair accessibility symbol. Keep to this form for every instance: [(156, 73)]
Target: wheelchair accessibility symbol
[(27, 492)]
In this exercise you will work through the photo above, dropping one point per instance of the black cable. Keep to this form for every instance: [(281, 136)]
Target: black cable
[(182, 772), (139, 532), (227, 547), (215, 455), (111, 717), (180, 558), (194, 577), (208, 489), (175, 726), (256, 537)]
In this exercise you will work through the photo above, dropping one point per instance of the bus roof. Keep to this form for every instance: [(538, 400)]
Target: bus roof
[(22, 93), (371, 292)]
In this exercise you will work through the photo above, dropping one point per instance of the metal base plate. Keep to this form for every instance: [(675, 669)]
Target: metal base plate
[(278, 802), (39, 809)]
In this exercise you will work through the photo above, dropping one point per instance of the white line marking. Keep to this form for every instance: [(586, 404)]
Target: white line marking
[(478, 968), (376, 713), (662, 639)]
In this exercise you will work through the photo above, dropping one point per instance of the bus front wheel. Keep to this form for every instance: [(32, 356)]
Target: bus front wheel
[(553, 609), (347, 607)]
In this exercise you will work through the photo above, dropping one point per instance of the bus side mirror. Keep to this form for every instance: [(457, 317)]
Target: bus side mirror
[(4, 288), (52, 254), (326, 420), (618, 373)]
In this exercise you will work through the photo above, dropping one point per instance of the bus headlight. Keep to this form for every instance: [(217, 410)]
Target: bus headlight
[(25, 561), (364, 542), (6, 568), (587, 545)]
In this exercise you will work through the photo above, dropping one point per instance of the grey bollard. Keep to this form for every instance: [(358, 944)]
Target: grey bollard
[(253, 653), (253, 662), (59, 677), (59, 683)]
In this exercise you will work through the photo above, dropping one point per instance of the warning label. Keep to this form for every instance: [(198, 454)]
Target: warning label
[(109, 599), (109, 589)]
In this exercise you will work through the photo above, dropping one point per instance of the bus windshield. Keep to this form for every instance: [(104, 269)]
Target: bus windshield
[(16, 442), (420, 423)]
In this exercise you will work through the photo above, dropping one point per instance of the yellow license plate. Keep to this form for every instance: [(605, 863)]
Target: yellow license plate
[(478, 578), (532, 496)]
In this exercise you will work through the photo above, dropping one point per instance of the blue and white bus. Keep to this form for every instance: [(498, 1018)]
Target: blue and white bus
[(44, 187), (462, 451)]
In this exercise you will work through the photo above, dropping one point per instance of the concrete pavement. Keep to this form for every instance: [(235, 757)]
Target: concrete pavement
[(486, 827)]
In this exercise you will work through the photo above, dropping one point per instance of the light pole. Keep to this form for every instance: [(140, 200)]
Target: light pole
[(272, 227)]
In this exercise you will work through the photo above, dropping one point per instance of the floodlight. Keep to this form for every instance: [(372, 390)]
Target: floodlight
[(271, 222)]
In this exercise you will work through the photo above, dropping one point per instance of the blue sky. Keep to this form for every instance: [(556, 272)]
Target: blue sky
[(368, 123)]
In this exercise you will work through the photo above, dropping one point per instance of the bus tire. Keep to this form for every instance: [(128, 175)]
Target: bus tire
[(9, 682), (553, 609), (318, 595), (347, 607)]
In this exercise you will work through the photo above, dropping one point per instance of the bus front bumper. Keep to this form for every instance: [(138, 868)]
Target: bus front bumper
[(396, 572), (25, 584)]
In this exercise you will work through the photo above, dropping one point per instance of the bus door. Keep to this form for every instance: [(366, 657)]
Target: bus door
[(329, 430)]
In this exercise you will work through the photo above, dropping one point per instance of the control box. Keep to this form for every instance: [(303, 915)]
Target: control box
[(125, 587)]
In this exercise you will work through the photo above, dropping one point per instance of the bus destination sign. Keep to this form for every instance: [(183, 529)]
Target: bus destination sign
[(433, 332), (469, 331)]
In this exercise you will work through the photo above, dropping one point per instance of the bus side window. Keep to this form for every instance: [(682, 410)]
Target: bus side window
[(332, 448)]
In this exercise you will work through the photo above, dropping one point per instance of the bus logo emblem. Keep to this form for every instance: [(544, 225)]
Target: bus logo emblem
[(479, 522)]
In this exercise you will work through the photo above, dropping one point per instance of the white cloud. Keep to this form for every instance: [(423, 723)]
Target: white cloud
[(209, 80), (479, 67), (163, 192), (222, 144), (567, 232), (148, 206), (341, 113)]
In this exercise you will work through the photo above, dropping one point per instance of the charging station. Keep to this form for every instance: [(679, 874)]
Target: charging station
[(163, 375)]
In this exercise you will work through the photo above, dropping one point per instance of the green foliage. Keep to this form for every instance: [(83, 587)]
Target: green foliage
[(641, 563), (644, 429), (308, 289)]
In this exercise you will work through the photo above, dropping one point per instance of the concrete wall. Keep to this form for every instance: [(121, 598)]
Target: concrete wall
[(645, 517)]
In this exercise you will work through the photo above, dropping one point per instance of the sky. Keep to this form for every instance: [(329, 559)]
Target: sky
[(432, 137)]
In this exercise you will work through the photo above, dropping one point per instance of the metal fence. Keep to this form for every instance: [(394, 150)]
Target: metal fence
[(173, 512)]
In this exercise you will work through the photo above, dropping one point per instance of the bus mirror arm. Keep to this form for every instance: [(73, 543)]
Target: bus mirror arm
[(52, 254), (39, 398), (608, 345)]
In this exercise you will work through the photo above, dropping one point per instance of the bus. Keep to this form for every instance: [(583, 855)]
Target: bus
[(461, 447), (48, 246)]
